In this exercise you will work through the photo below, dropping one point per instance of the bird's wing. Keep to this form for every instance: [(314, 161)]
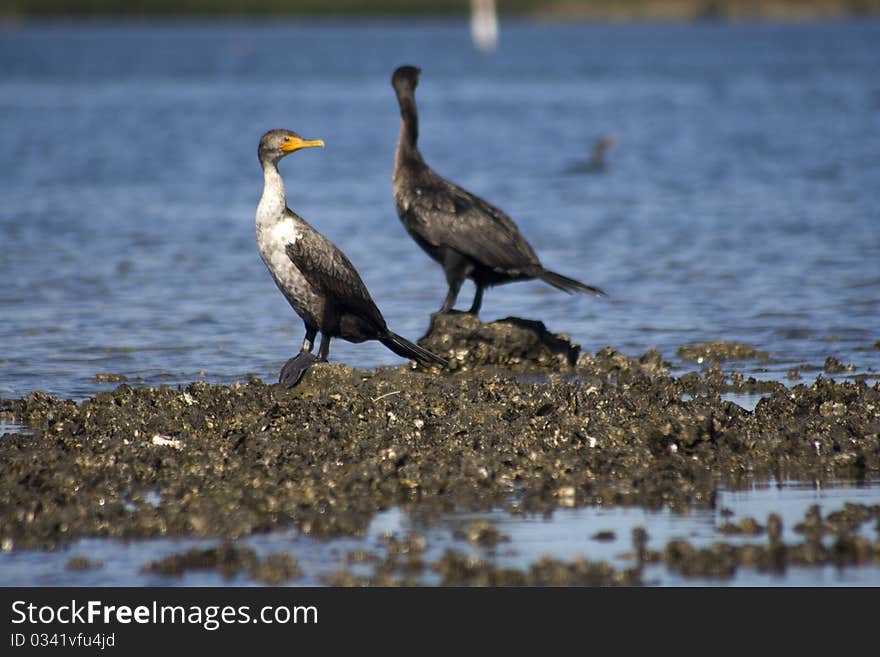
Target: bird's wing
[(331, 273), (444, 214)]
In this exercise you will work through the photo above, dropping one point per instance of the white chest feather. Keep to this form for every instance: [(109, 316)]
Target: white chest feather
[(275, 231), (273, 240)]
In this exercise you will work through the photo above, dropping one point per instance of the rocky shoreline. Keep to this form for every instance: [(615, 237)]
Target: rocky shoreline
[(523, 421)]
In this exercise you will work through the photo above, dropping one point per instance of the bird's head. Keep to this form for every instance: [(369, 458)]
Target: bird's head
[(276, 144), (405, 79)]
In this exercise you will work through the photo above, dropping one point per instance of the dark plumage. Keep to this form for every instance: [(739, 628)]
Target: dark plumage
[(598, 161), (317, 278), (468, 236)]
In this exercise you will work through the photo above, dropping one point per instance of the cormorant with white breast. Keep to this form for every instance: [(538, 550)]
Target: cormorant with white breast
[(469, 237), (317, 279)]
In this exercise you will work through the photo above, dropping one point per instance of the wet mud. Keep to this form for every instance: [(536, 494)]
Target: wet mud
[(523, 420), (834, 542), (840, 540), (230, 560)]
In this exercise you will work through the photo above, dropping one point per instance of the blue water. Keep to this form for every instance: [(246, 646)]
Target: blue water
[(741, 203)]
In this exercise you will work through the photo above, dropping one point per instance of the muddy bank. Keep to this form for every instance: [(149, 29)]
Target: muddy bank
[(229, 461), (521, 420), (564, 10)]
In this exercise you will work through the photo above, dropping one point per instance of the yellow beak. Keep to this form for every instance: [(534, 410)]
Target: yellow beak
[(296, 143)]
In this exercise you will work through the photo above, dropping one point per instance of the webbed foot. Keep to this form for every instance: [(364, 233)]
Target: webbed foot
[(293, 370)]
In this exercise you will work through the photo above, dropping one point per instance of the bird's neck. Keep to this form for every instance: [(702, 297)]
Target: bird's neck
[(408, 138), (273, 201)]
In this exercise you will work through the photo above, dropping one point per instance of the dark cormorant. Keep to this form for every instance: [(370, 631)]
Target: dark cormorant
[(469, 237), (317, 279), (597, 162)]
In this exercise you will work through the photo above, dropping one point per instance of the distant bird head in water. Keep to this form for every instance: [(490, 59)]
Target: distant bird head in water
[(604, 143), (600, 147), (276, 144), (405, 78)]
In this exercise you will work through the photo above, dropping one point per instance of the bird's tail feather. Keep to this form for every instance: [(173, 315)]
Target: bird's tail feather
[(403, 347), (568, 284)]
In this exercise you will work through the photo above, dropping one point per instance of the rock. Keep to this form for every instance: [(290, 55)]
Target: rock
[(81, 563), (468, 342), (229, 560), (834, 366), (482, 534), (719, 351), (745, 527), (109, 377)]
